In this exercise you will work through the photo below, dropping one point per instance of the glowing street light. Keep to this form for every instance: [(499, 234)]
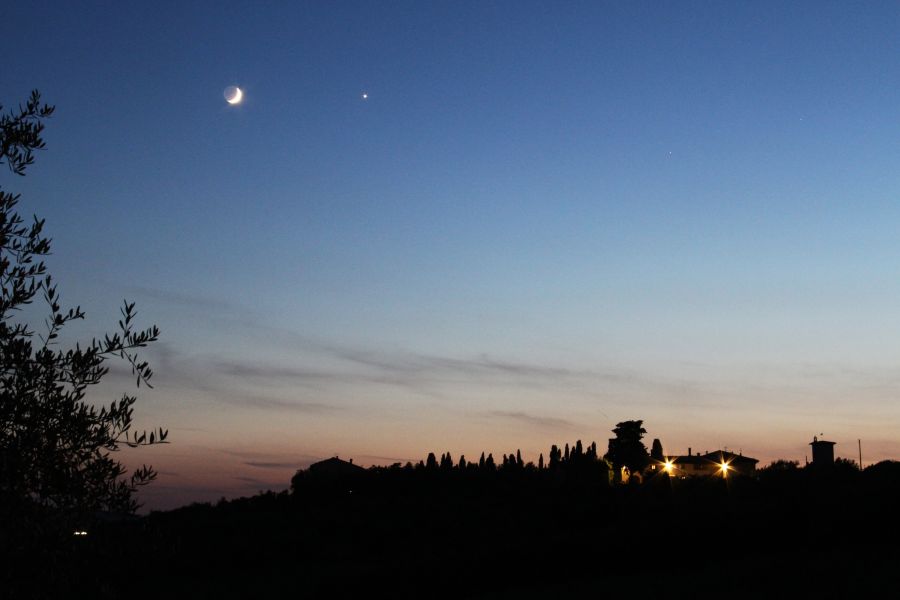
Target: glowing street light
[(669, 466), (724, 467)]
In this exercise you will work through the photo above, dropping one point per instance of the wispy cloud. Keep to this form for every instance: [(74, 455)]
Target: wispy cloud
[(254, 483), (261, 457), (322, 366), (533, 420), (270, 403), (179, 298), (270, 372), (203, 374), (317, 368), (411, 369), (374, 457), (273, 465), (383, 364), (280, 376)]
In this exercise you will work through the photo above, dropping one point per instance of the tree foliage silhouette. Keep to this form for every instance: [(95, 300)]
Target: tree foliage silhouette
[(627, 449), (56, 448)]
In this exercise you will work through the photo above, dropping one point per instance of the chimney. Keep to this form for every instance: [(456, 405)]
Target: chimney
[(689, 451), (351, 461)]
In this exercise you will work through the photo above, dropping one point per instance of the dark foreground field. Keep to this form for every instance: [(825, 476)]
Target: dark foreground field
[(786, 534)]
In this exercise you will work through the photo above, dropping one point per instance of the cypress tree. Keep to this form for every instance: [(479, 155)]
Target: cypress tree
[(656, 451)]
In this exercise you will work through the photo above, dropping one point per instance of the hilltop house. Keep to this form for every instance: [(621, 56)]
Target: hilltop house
[(330, 476), (334, 468), (718, 462)]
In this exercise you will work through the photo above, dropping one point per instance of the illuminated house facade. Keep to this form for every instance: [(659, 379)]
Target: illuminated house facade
[(718, 462)]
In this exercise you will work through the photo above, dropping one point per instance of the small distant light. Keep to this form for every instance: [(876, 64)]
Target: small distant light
[(80, 532), (365, 95), (669, 466)]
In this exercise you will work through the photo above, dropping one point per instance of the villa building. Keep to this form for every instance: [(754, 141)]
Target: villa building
[(718, 462)]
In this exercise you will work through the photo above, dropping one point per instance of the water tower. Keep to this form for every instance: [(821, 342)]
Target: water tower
[(822, 453)]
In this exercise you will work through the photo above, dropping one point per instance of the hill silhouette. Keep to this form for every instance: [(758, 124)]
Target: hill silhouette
[(450, 527)]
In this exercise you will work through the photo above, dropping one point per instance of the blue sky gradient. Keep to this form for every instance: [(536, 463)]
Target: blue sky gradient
[(543, 220)]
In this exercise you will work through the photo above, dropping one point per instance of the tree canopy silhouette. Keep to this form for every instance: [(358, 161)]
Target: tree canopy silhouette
[(56, 448), (627, 449)]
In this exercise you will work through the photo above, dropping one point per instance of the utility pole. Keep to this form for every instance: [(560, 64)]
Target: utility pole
[(859, 442)]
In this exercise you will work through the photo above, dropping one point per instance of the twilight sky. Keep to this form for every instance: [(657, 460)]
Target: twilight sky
[(543, 220)]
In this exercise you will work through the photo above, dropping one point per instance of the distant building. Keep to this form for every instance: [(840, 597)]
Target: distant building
[(822, 453), (335, 468), (329, 477), (718, 462)]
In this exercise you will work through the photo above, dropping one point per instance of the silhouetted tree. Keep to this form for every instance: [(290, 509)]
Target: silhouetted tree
[(566, 455), (519, 460), (782, 465), (541, 461), (555, 456), (627, 449), (779, 472), (446, 462), (481, 461), (56, 448), (462, 462), (431, 462), (846, 465), (656, 451), (489, 463), (882, 477)]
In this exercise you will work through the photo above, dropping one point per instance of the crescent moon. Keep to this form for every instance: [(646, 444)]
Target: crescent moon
[(233, 94)]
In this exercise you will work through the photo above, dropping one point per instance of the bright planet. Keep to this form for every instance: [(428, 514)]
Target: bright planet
[(233, 94)]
